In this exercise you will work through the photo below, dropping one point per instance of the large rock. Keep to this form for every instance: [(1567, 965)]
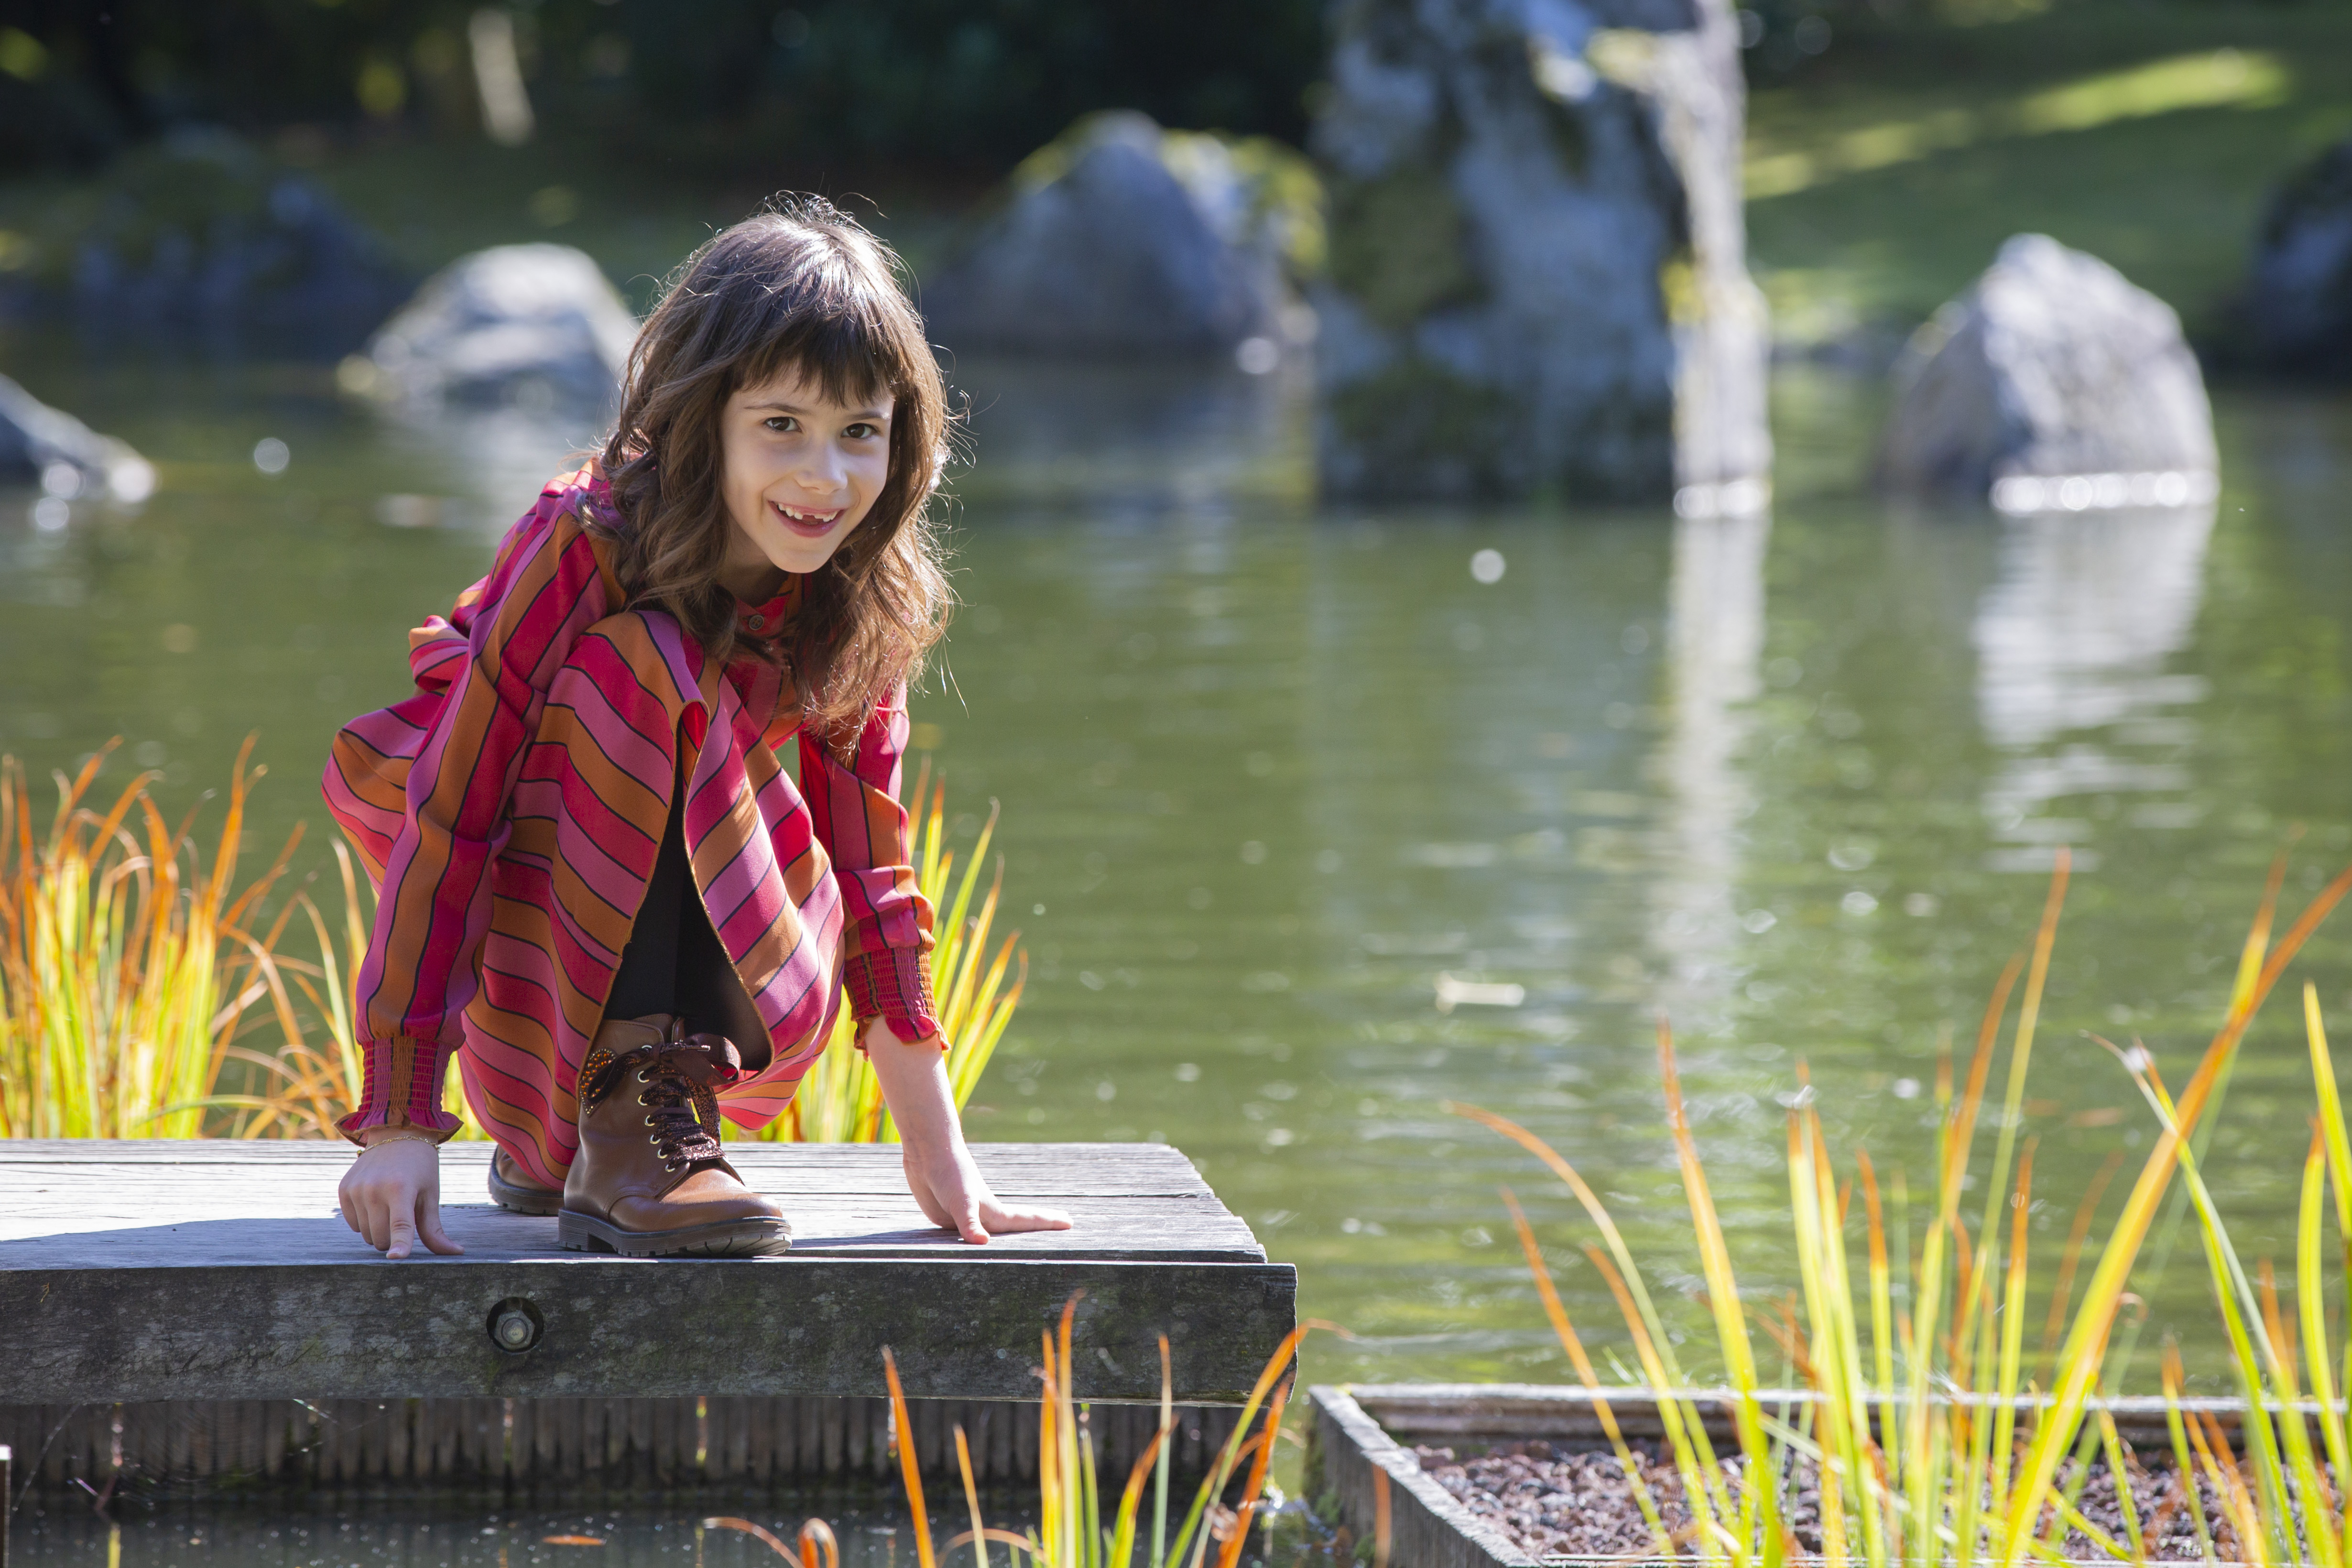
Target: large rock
[(200, 237), (2299, 298), (2052, 367), (47, 447), (1537, 279), (1121, 238), (535, 325)]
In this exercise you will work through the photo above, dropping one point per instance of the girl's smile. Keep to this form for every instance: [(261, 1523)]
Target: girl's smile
[(812, 524), (801, 471)]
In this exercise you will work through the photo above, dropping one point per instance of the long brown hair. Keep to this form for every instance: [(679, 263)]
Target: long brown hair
[(798, 286)]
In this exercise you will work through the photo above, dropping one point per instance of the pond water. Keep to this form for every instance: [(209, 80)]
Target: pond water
[(1315, 819), (380, 1535)]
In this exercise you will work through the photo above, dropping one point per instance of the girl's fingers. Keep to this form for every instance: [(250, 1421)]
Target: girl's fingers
[(967, 1224), (999, 1217), (404, 1236), (429, 1227)]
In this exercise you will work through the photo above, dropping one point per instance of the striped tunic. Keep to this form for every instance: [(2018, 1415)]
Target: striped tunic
[(510, 811)]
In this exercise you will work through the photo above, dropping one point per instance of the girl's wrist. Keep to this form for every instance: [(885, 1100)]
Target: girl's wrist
[(376, 1137)]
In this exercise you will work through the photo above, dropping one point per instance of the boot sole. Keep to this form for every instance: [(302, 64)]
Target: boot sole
[(727, 1238), (521, 1199)]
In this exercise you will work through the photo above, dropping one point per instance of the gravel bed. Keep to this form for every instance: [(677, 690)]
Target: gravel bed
[(1561, 1501)]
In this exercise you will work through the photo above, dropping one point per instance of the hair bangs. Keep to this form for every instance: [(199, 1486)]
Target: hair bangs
[(797, 288), (839, 344)]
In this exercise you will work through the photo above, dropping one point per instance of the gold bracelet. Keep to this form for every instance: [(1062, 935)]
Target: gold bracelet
[(399, 1137)]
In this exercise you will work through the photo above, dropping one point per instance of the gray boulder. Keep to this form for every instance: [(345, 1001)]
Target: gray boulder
[(1538, 278), (1121, 238), (2051, 367), (534, 325), (2299, 298), (47, 447)]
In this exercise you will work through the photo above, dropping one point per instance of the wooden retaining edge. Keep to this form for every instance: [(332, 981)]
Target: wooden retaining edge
[(1362, 1430), (1427, 1529), (1501, 1411), (545, 1449)]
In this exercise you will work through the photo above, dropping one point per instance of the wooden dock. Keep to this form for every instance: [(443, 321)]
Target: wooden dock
[(222, 1272)]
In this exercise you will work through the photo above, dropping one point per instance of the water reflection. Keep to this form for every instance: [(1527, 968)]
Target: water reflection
[(478, 469), (1268, 771), (2073, 643), (152, 1532), (1131, 442), (1715, 656)]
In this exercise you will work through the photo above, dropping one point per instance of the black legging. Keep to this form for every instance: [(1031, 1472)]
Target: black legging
[(674, 963)]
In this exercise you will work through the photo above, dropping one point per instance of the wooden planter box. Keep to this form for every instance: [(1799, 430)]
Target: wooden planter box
[(1360, 1430)]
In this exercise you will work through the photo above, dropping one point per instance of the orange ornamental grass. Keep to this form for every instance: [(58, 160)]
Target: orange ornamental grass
[(840, 1101), (134, 976), (126, 967), (1930, 1438), (1072, 1530)]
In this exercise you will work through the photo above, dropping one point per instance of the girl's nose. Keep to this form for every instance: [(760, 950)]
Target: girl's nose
[(822, 469)]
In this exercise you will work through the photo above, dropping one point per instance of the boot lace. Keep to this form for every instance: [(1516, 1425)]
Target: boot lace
[(681, 1115)]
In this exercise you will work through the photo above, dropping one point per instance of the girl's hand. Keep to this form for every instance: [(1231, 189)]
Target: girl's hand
[(392, 1195), (947, 1185)]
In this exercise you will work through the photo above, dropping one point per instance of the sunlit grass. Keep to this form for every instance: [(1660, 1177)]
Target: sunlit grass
[(1931, 1437), (133, 979), (2213, 78), (1073, 1529), (840, 1101), (127, 967)]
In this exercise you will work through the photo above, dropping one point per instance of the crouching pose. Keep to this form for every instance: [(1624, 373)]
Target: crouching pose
[(599, 887)]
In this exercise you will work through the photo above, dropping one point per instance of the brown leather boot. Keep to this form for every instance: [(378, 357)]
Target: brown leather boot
[(649, 1180), (511, 1189)]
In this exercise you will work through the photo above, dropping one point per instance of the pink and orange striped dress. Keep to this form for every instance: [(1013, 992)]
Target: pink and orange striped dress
[(510, 811)]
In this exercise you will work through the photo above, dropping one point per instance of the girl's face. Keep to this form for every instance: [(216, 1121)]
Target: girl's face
[(801, 471)]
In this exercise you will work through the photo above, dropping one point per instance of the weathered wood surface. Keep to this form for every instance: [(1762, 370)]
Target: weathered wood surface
[(1351, 1461), (551, 1448), (214, 1270), (1478, 1414)]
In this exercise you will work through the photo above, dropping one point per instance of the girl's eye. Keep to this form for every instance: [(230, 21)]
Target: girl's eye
[(782, 424), (860, 431)]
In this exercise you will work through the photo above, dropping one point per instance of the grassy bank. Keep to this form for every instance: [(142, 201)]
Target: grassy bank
[(1884, 173)]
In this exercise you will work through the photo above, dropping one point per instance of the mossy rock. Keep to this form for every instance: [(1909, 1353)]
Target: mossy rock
[(1399, 245), (1281, 195), (1418, 428)]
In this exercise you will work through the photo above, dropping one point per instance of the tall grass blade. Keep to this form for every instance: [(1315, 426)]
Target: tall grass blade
[(2082, 1355), (911, 1469)]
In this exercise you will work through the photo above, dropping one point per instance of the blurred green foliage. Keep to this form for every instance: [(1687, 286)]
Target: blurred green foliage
[(838, 85)]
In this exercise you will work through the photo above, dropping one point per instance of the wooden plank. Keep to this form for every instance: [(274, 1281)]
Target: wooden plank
[(144, 1271), (1026, 1170), (199, 1204)]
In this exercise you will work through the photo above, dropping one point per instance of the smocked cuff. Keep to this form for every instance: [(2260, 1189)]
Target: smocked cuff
[(894, 985), (402, 1089)]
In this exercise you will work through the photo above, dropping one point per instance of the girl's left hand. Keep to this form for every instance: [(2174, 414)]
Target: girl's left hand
[(946, 1184), (950, 1189)]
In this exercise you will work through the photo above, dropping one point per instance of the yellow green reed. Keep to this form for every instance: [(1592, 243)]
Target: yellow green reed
[(140, 997), (126, 966), (840, 1101), (1071, 1531), (1931, 1442)]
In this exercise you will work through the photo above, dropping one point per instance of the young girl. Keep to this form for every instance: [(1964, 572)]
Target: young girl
[(598, 886)]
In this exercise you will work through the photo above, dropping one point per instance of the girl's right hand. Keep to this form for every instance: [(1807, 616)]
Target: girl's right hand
[(392, 1195)]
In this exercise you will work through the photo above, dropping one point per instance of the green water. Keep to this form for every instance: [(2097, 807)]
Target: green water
[(1269, 773)]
